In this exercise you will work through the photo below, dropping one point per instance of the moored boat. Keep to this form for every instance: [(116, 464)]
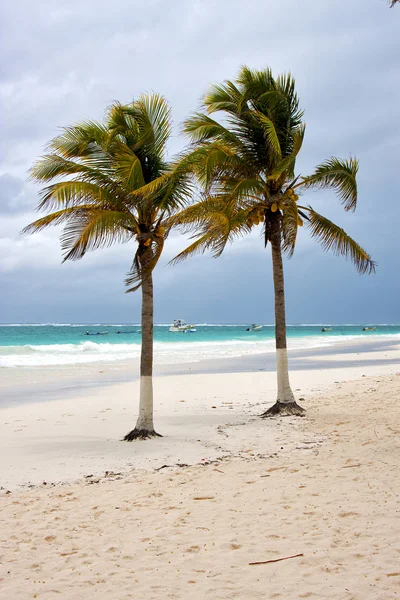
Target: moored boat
[(97, 333), (180, 325), (254, 327)]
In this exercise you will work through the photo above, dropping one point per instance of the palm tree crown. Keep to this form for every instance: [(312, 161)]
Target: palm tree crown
[(115, 186), (245, 164)]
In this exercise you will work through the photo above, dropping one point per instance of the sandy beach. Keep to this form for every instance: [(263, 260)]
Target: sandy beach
[(83, 513)]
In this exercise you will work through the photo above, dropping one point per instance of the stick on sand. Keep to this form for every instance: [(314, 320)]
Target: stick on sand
[(265, 562)]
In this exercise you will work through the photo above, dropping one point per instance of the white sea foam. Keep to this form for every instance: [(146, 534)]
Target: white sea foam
[(165, 352)]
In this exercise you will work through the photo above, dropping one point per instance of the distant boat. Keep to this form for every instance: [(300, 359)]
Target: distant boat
[(97, 333), (369, 328), (126, 332), (326, 329), (254, 327), (180, 325)]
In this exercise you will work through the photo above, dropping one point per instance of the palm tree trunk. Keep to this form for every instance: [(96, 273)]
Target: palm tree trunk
[(144, 426), (285, 403)]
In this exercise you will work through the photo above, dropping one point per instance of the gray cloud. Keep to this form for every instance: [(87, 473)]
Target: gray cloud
[(15, 194), (66, 63)]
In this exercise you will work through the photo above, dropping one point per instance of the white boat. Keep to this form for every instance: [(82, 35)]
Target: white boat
[(254, 327), (182, 326)]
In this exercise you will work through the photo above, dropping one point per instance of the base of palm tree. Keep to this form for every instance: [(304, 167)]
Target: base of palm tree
[(285, 409), (140, 434)]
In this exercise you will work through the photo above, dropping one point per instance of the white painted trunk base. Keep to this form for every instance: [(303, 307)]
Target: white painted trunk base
[(145, 418), (285, 394)]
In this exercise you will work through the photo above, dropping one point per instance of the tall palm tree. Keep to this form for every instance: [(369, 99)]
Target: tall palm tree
[(109, 183), (245, 164)]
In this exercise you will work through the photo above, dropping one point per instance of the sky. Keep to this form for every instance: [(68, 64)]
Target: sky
[(66, 62)]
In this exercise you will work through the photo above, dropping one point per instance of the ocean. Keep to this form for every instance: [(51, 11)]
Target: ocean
[(51, 344)]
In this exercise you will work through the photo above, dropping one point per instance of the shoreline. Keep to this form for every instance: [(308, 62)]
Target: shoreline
[(42, 384)]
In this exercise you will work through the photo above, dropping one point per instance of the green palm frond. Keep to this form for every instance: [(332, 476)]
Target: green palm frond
[(287, 164), (286, 84), (270, 133), (51, 166), (226, 97), (215, 223), (334, 238), (80, 141), (152, 117), (167, 193), (240, 190), (91, 229), (56, 218), (253, 83), (200, 128), (208, 161), (129, 168), (339, 175), (203, 243), (73, 193), (120, 124)]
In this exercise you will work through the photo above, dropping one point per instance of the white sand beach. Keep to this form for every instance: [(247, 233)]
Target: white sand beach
[(323, 487)]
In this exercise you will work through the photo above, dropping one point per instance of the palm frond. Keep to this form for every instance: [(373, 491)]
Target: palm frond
[(287, 164), (286, 84), (199, 246), (334, 238), (270, 133), (214, 222), (225, 97), (129, 168), (50, 166), (80, 141), (200, 128), (89, 230), (339, 175), (74, 193), (152, 116), (56, 218), (290, 222)]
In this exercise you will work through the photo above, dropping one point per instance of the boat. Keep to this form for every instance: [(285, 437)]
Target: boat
[(179, 325), (126, 332), (254, 327), (369, 328), (97, 333), (326, 329)]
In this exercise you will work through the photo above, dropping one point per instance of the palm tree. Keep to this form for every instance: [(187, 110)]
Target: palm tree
[(393, 2), (109, 183), (245, 164)]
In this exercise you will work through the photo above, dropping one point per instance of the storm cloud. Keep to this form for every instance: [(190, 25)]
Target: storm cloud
[(62, 64)]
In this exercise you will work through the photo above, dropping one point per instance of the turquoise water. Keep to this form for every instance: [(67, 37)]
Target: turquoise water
[(64, 344)]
